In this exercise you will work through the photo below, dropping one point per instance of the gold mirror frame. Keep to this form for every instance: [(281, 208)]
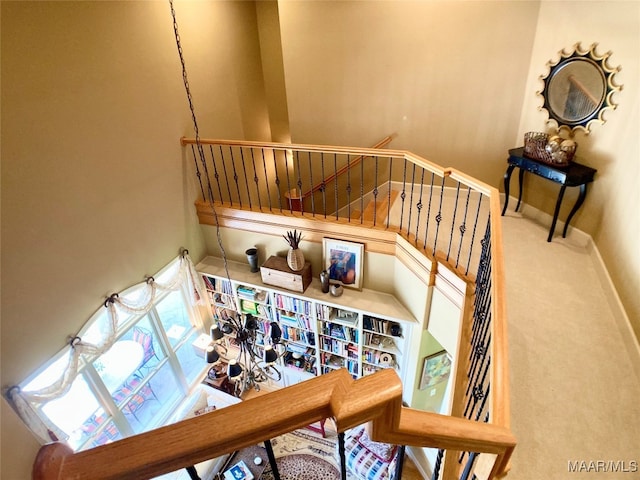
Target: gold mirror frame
[(578, 88)]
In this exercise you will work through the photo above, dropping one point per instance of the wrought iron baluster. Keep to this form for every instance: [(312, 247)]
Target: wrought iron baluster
[(246, 179), (413, 182), (323, 187), (275, 169), (349, 191), (313, 203), (255, 178), (198, 174), (437, 465), (215, 170), (286, 167), (473, 235), (375, 192), (438, 218), (299, 182), (453, 220), (463, 226), (468, 466), (226, 177), (335, 180), (362, 189), (389, 193), (235, 176), (419, 205), (428, 219), (266, 178), (403, 195)]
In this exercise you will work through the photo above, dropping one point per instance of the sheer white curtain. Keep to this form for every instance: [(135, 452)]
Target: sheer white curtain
[(185, 274)]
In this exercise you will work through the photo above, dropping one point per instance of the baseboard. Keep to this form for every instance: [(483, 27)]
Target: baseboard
[(582, 239)]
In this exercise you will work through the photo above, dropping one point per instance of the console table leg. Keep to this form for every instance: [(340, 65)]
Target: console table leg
[(272, 459), (507, 181), (520, 182), (579, 201), (556, 212)]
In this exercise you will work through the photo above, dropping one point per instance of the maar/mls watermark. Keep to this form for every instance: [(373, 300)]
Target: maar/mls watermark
[(603, 466)]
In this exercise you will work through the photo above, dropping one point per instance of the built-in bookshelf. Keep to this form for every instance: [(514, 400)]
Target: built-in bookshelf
[(362, 331)]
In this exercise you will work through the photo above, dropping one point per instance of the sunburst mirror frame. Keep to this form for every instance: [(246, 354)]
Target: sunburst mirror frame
[(557, 85)]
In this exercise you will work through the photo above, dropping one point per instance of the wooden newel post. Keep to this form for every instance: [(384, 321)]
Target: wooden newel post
[(49, 461)]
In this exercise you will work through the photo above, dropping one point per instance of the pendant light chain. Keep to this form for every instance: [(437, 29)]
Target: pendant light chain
[(185, 80)]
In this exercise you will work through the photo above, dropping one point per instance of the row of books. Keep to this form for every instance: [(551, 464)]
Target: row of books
[(295, 335), (375, 357), (299, 321), (338, 347), (340, 331), (324, 312), (377, 325), (217, 285), (293, 304)]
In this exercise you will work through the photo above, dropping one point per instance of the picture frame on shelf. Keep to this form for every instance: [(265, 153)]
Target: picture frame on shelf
[(436, 369), (344, 261)]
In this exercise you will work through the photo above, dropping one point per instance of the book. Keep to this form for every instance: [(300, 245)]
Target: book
[(239, 471)]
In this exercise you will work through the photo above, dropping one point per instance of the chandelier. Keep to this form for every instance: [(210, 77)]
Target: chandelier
[(257, 355)]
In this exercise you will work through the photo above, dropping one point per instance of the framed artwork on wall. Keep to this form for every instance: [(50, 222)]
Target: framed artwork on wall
[(343, 261), (436, 369)]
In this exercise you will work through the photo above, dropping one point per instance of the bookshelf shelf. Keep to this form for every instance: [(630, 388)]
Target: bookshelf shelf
[(321, 333)]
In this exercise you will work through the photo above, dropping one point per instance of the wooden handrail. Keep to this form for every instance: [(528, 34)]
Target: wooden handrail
[(376, 398)]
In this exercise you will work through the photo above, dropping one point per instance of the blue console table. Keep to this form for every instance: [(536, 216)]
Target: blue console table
[(573, 175)]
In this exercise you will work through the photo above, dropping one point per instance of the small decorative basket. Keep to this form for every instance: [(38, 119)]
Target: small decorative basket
[(551, 150)]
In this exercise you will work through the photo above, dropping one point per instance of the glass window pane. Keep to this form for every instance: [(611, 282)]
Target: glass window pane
[(76, 413), (174, 317), (191, 359), (151, 399)]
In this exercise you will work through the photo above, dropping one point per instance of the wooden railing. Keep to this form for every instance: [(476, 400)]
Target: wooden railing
[(376, 398), (443, 214)]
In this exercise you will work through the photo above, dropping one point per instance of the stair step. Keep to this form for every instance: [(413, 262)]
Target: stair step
[(380, 207)]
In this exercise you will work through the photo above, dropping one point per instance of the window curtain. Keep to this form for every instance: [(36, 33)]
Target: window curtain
[(22, 401)]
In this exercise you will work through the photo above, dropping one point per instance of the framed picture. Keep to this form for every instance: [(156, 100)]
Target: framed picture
[(436, 369), (344, 261)]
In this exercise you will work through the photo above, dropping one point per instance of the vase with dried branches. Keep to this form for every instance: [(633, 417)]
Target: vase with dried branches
[(295, 257)]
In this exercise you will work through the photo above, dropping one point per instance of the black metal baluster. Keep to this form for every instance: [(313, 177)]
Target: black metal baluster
[(266, 178), (323, 186), (453, 220), (473, 235), (299, 182), (426, 231), (313, 194), (255, 178), (469, 465), (389, 193), (226, 178), (341, 453), (362, 188), (286, 167), (272, 459), (335, 181), (235, 176), (403, 195), (413, 183), (463, 226), (198, 174), (419, 206), (215, 171), (349, 191), (275, 168), (438, 464), (438, 218), (246, 179), (375, 192)]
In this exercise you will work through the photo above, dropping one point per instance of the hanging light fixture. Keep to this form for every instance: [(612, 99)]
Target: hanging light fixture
[(257, 357)]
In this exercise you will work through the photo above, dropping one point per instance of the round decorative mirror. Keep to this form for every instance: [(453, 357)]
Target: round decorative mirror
[(578, 88)]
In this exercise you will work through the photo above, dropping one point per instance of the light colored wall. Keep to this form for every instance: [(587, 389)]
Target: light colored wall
[(447, 77), (95, 192), (610, 213)]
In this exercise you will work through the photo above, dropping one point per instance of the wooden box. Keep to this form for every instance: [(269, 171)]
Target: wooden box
[(276, 272)]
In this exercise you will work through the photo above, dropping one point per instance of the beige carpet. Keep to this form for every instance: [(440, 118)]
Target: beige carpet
[(575, 390)]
